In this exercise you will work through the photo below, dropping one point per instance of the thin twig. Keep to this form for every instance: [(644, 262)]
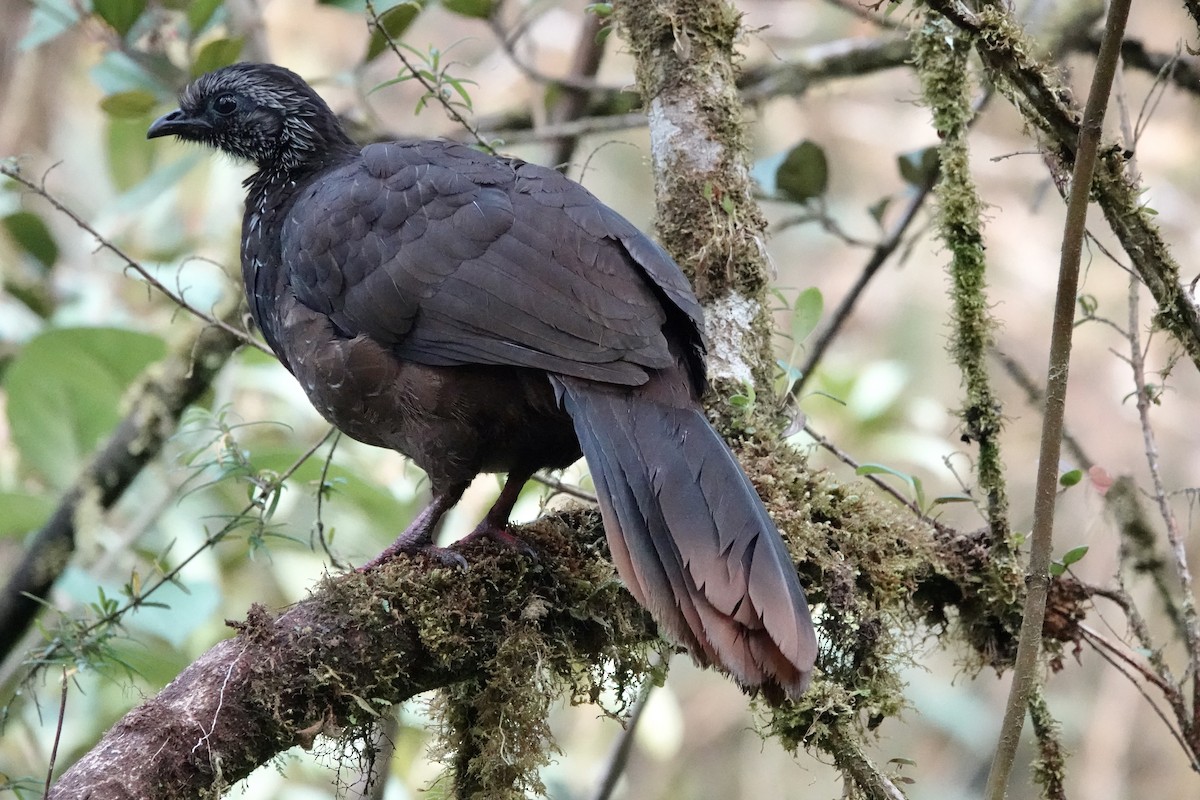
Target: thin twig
[(52, 649), (850, 461), (1188, 721), (1099, 641), (619, 760), (564, 488), (813, 66), (1137, 364), (1037, 398), (870, 13), (1122, 664), (40, 190), (1175, 538), (577, 80), (1045, 490), (62, 714), (879, 257), (376, 25), (843, 58), (321, 489), (1141, 633), (1169, 68), (583, 126)]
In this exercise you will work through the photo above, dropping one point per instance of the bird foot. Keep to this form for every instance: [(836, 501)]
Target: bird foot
[(418, 539), (500, 535), (443, 555)]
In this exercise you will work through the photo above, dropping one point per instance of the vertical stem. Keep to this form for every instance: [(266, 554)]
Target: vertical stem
[(941, 58), (707, 216), (1042, 539)]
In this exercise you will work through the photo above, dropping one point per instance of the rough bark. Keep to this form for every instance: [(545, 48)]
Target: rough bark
[(361, 642)]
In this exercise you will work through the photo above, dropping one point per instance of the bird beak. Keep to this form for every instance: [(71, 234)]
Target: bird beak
[(179, 124)]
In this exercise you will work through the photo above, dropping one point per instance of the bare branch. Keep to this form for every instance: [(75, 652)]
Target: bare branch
[(40, 190), (1045, 490), (619, 758), (1175, 538)]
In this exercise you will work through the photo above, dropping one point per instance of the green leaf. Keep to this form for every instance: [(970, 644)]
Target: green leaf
[(171, 613), (804, 173), (1057, 568), (23, 513), (395, 21), (946, 499), (129, 105), (30, 233), (919, 168), (216, 54), (878, 208), (130, 161), (64, 394), (349, 488), (199, 12), (914, 482), (477, 9), (1074, 555), (1071, 478), (120, 14), (806, 313)]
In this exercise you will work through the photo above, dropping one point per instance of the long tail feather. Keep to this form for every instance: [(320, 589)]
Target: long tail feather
[(690, 536)]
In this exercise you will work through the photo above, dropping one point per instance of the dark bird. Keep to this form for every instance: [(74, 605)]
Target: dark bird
[(483, 314)]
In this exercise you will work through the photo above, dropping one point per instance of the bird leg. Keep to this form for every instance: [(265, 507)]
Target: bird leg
[(494, 524), (418, 536)]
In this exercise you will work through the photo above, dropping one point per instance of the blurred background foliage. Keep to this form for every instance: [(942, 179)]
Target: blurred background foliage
[(836, 158)]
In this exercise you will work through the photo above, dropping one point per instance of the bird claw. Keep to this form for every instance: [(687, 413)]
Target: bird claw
[(502, 537), (445, 556), (442, 555)]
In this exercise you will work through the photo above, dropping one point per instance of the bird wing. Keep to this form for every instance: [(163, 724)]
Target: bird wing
[(451, 257)]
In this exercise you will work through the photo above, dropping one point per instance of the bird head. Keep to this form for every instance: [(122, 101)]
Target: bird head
[(258, 112)]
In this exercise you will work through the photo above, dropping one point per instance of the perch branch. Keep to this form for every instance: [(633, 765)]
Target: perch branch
[(360, 643)]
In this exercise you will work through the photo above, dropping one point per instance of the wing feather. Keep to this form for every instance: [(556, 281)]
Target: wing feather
[(452, 257)]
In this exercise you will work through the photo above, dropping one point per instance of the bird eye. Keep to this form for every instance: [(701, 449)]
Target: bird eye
[(225, 104)]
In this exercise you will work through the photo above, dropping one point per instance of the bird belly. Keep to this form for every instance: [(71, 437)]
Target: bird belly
[(453, 422)]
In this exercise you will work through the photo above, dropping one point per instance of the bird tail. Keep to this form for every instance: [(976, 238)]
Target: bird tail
[(690, 536)]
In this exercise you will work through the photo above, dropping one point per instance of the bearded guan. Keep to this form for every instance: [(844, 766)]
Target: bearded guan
[(483, 314)]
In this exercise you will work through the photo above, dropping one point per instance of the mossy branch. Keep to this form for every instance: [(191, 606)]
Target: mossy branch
[(707, 217), (942, 65), (363, 641), (710, 222), (1047, 104)]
